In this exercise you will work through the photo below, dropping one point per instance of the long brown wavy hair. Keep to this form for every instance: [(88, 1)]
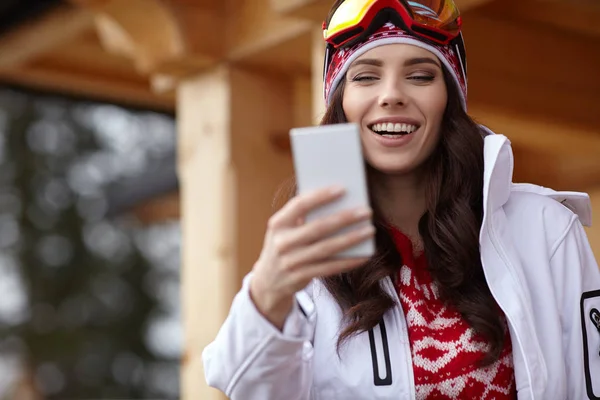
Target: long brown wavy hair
[(449, 230)]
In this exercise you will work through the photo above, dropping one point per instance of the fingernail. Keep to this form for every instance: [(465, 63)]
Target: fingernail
[(337, 190), (362, 212), (367, 231)]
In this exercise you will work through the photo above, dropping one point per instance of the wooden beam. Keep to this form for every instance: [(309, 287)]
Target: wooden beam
[(579, 173), (252, 36), (317, 10), (534, 166), (188, 31), (89, 86), (580, 17), (228, 173), (202, 26), (470, 5), (505, 73), (557, 171), (156, 42), (43, 35), (290, 58), (540, 134), (507, 44), (85, 54), (313, 10), (263, 40), (254, 26), (149, 40)]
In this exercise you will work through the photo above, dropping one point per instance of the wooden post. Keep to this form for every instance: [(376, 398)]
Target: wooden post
[(229, 172), (309, 103), (318, 58)]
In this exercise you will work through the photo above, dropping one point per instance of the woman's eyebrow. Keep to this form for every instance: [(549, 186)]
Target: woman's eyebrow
[(421, 60), (367, 61)]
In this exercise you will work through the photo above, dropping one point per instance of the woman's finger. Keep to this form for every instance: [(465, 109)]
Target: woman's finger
[(327, 248), (326, 268), (299, 206), (320, 228)]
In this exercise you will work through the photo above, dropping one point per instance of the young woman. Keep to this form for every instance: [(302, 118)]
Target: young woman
[(480, 288)]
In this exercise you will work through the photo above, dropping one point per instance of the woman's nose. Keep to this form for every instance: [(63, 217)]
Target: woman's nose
[(392, 95)]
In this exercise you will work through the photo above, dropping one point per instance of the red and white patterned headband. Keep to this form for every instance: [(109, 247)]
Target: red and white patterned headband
[(389, 34)]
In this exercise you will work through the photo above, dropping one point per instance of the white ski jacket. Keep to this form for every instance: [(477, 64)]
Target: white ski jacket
[(539, 267)]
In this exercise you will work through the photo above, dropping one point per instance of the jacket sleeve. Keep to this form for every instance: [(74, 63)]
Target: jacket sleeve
[(578, 285), (251, 359)]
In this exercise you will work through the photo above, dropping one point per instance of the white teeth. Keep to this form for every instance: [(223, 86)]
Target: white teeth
[(394, 127)]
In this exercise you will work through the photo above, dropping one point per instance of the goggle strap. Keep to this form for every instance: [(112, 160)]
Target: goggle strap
[(326, 61), (461, 53)]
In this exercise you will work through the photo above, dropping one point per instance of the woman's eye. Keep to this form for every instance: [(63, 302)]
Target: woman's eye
[(363, 78), (422, 78)]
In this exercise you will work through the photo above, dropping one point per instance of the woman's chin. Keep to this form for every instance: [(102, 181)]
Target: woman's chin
[(392, 168)]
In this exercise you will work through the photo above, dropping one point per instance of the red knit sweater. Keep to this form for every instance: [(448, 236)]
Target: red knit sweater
[(444, 348)]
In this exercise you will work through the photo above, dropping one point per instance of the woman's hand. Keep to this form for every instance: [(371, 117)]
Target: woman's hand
[(294, 253)]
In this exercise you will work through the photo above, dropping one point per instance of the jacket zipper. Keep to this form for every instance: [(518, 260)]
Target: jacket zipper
[(404, 333)]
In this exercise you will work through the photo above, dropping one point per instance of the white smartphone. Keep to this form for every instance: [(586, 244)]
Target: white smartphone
[(332, 155)]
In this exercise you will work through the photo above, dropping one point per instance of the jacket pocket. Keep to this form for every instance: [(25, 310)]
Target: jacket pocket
[(590, 326)]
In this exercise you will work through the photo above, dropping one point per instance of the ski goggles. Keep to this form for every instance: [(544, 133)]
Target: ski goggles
[(438, 21)]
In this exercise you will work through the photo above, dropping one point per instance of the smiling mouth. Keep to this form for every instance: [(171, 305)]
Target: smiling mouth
[(390, 129)]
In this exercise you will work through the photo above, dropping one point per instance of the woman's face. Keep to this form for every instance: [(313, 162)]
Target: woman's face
[(397, 94)]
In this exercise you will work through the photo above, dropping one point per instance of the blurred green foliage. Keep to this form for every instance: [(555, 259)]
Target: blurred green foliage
[(90, 303)]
